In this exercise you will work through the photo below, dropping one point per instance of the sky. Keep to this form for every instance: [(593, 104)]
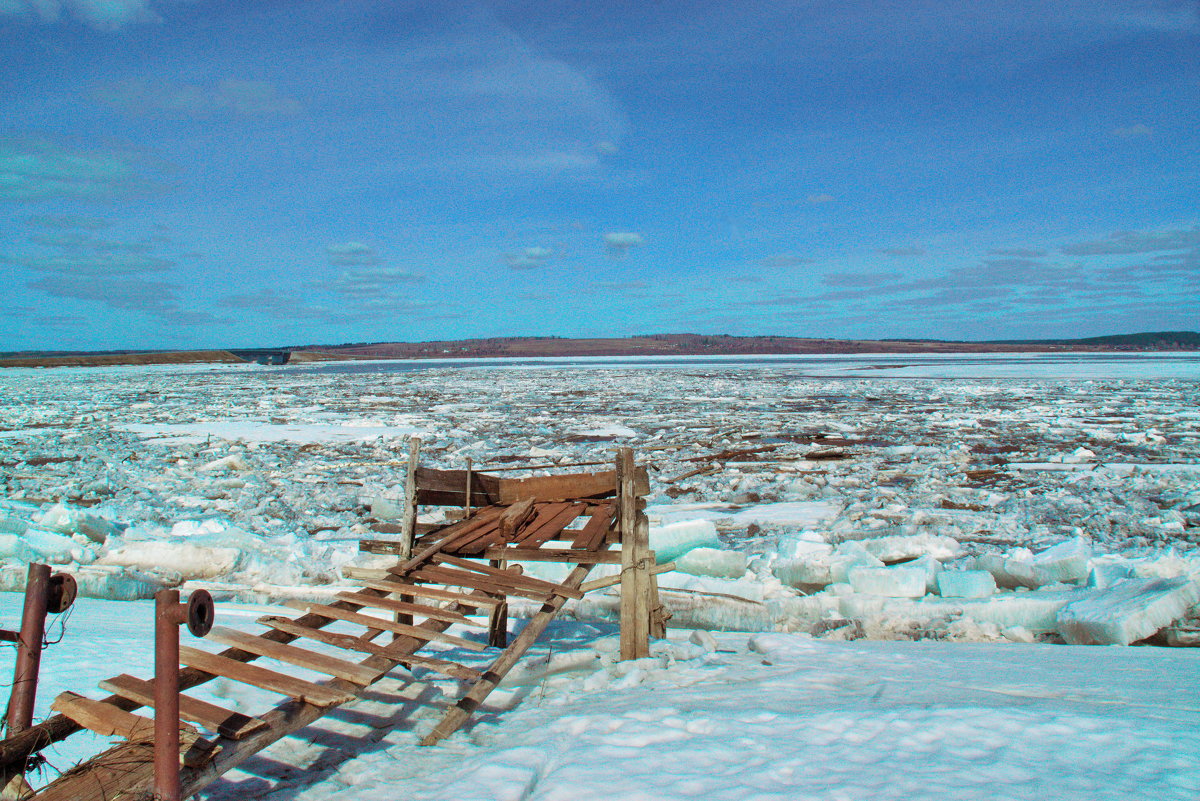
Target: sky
[(210, 173)]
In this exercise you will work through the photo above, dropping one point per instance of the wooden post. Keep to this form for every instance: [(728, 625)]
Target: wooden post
[(467, 501), (498, 619), (409, 522), (634, 529)]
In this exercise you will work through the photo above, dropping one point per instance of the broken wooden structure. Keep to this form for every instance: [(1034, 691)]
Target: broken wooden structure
[(446, 574)]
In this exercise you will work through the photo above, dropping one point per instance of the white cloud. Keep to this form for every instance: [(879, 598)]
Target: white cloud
[(618, 243), (1133, 131), (352, 254), (823, 197), (103, 15), (41, 170), (528, 258), (237, 97), (374, 281)]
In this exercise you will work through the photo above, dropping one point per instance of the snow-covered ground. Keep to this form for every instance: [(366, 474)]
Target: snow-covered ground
[(807, 502)]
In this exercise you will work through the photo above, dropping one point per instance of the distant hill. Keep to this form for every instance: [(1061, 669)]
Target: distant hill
[(647, 345)]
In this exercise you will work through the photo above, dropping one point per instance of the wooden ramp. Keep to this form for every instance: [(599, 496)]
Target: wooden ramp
[(454, 574)]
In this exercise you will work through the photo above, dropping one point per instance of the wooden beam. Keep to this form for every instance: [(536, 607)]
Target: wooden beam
[(300, 657), (104, 719), (496, 672), (555, 555), (306, 691), (510, 575), (514, 517), (224, 722), (409, 521), (420, 591), (392, 605), (635, 565), (612, 581), (386, 625)]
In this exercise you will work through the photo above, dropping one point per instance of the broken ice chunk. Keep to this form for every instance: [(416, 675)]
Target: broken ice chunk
[(1105, 574), (847, 556), (1067, 561), (66, 520), (188, 560), (673, 540), (1128, 611), (892, 582), (712, 562), (966, 584), (900, 548)]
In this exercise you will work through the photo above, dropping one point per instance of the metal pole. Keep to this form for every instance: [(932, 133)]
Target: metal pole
[(29, 649), (169, 614), (166, 694)]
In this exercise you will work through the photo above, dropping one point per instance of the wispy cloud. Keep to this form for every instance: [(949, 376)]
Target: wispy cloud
[(1133, 242), (38, 169), (781, 260), (1136, 131), (103, 15), (58, 222), (230, 97), (528, 258), (365, 283), (619, 243), (352, 254), (902, 252)]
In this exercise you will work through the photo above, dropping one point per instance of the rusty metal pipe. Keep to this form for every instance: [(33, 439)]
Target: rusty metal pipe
[(29, 649), (169, 614)]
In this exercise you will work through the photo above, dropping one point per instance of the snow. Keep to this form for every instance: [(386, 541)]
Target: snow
[(726, 716), (1069, 481)]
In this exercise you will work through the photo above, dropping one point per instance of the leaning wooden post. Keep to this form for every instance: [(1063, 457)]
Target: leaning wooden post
[(408, 524), (635, 562)]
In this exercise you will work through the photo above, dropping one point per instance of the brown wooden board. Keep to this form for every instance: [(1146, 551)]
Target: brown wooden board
[(306, 691), (474, 601), (477, 581), (568, 555), (504, 576), (385, 625), (514, 517), (299, 657), (224, 722), (432, 482), (104, 719), (552, 528), (594, 532), (569, 487), (420, 610)]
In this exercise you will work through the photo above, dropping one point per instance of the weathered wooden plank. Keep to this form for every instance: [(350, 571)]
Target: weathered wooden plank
[(431, 481), (541, 513), (555, 555), (104, 719), (635, 563), (512, 518), (473, 601), (476, 581), (592, 536), (552, 528), (393, 605), (568, 487), (299, 657), (306, 691), (512, 575), (612, 581), (224, 722), (505, 662), (385, 625)]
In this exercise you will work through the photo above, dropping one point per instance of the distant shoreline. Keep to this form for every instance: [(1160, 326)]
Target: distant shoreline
[(656, 345)]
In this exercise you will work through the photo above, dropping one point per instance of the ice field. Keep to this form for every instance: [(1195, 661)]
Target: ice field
[(888, 551)]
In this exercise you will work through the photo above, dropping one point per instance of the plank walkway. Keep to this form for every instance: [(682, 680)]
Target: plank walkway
[(443, 584)]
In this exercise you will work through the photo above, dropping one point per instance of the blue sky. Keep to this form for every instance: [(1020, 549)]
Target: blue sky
[(204, 173)]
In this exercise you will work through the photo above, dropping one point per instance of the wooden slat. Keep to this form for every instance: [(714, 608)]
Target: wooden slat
[(555, 555), (299, 657), (475, 601), (572, 486), (349, 642), (224, 722), (104, 719), (465, 543), (507, 575), (512, 518), (386, 625), (592, 535), (405, 607), (552, 528), (306, 691), (612, 581), (477, 581), (504, 663)]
